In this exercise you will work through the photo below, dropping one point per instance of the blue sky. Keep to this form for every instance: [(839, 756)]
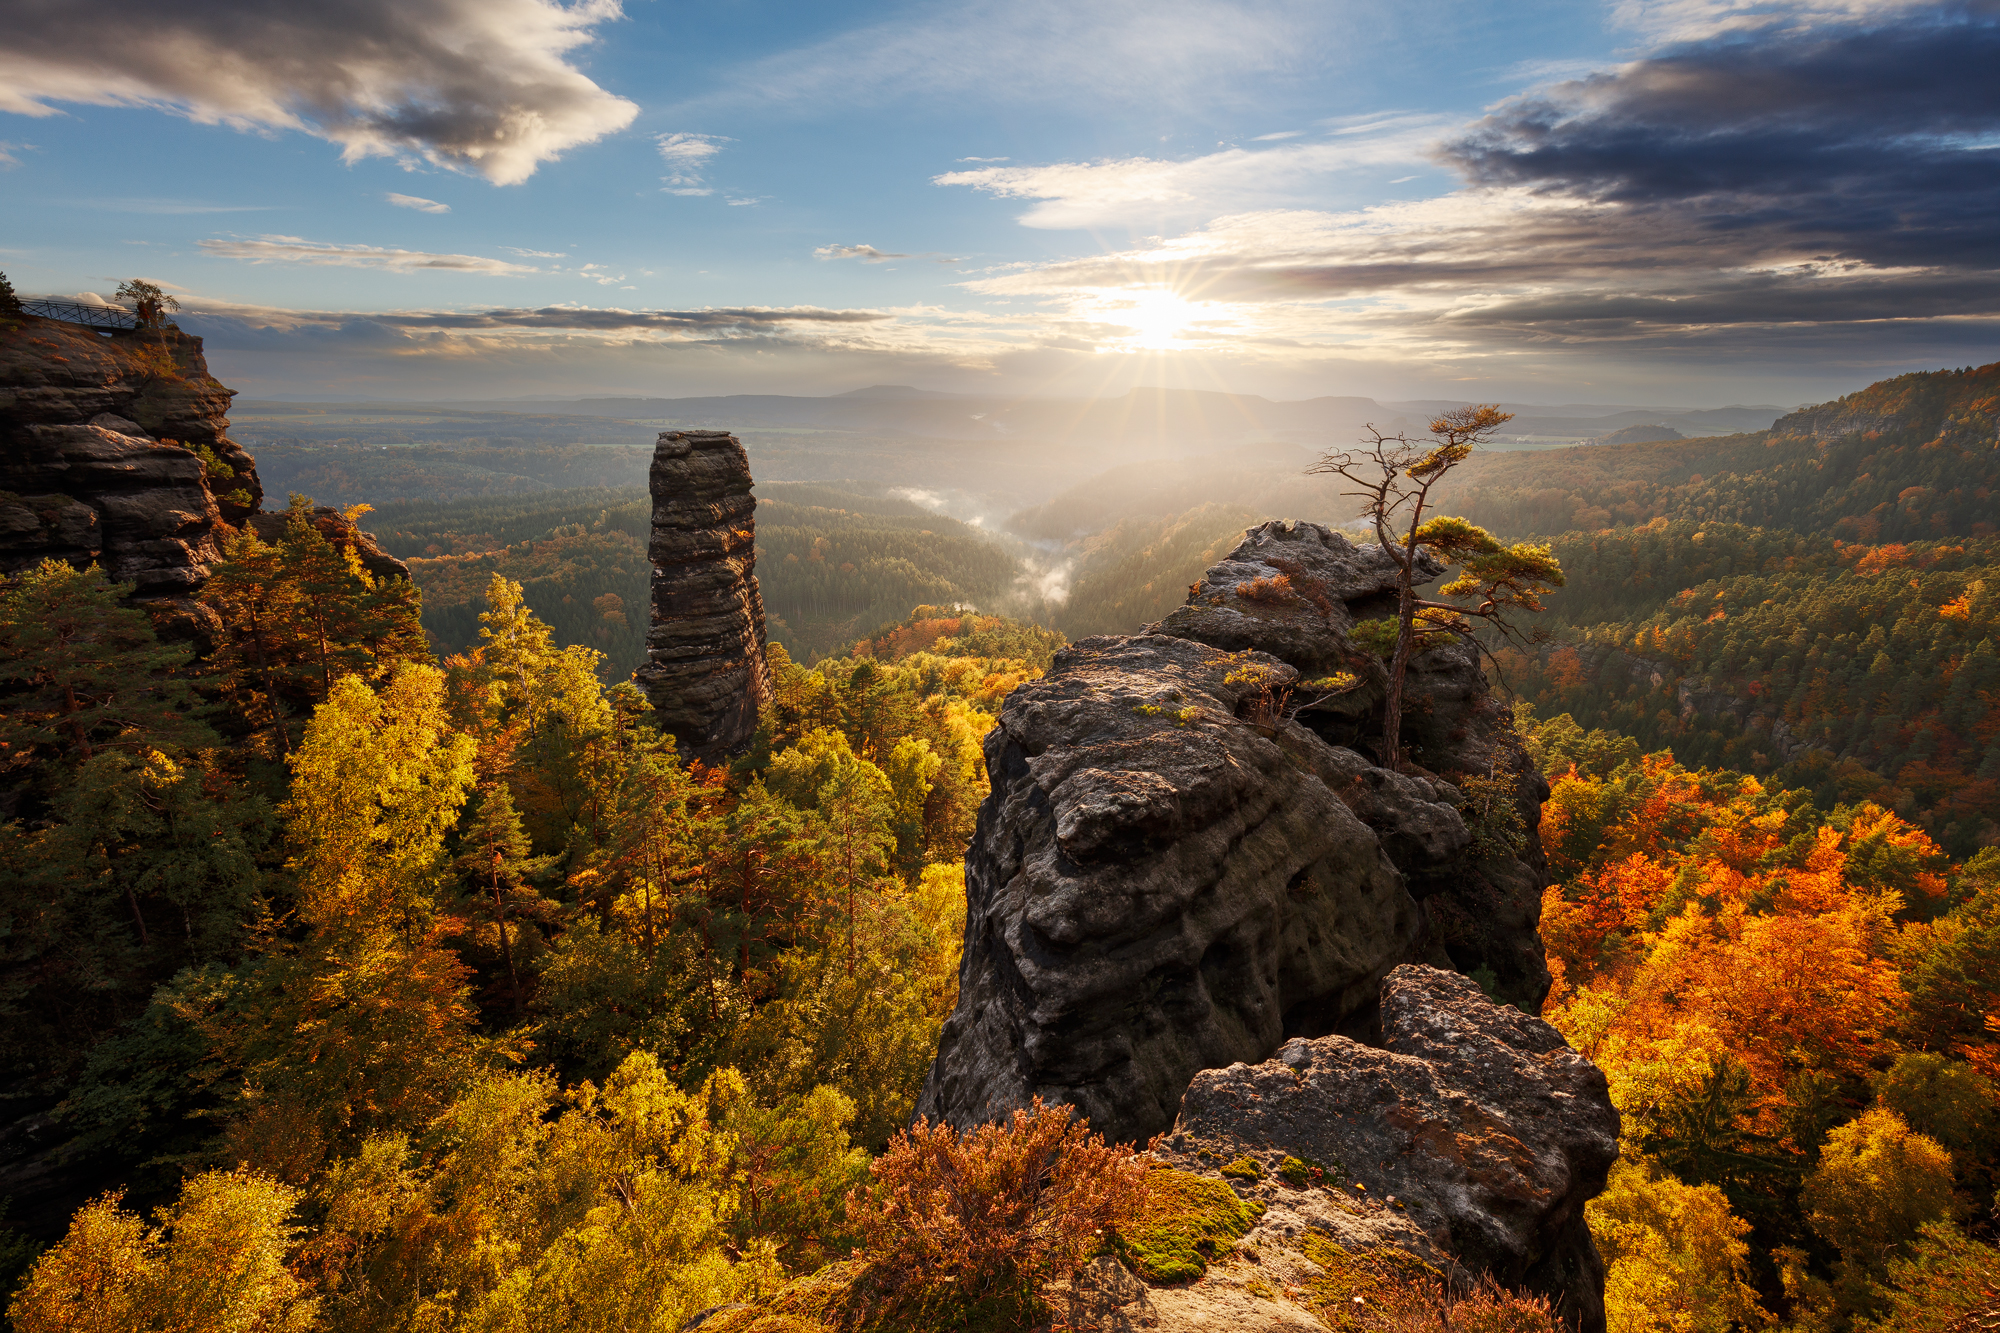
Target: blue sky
[(1666, 201)]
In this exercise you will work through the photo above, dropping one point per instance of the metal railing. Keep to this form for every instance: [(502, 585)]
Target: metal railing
[(76, 312)]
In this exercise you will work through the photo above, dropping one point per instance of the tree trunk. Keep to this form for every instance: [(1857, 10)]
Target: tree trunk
[(506, 947), (1399, 662), (144, 941)]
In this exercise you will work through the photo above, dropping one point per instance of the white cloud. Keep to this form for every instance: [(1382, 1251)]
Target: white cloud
[(745, 203), (986, 159), (535, 254), (1690, 20), (414, 201), (475, 85), (685, 156), (8, 151), (296, 250), (867, 254), (1141, 190), (1281, 134)]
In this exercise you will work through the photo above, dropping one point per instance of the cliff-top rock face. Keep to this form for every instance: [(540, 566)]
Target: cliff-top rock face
[(1471, 1138), (705, 670), (99, 437), (1155, 887), (1294, 590), (1175, 871)]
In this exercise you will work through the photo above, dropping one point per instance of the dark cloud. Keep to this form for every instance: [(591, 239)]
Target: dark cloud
[(239, 326), (1871, 142), (484, 85), (564, 317)]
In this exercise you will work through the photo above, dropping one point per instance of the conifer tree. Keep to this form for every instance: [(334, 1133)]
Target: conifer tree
[(91, 671), (258, 607), (495, 859)]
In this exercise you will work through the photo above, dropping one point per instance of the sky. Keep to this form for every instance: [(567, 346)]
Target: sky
[(1666, 202)]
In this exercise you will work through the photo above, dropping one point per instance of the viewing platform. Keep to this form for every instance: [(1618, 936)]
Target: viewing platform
[(105, 318)]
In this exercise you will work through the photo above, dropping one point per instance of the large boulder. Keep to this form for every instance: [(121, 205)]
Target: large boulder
[(1157, 886), (1471, 1137), (704, 672)]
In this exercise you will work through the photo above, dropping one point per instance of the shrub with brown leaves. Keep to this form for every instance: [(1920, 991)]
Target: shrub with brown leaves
[(1025, 1202), (1276, 589)]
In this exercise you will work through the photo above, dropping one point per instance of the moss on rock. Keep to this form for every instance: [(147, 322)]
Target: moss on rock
[(1350, 1283), (1185, 1220), (1244, 1168)]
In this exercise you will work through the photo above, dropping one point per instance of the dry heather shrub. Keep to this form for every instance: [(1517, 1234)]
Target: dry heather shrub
[(1389, 1291), (1025, 1202), (1276, 589)]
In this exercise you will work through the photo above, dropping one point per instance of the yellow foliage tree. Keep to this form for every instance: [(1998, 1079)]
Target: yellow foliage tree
[(1676, 1257), (1878, 1184), (216, 1264)]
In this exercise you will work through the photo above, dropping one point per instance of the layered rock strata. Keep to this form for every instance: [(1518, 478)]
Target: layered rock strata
[(704, 671), (1179, 867), (98, 455), (1471, 1137)]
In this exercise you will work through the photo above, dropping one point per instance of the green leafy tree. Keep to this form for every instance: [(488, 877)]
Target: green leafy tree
[(10, 304), (258, 607), (1393, 477), (1946, 1099)]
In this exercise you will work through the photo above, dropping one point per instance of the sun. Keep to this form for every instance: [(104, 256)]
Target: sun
[(1157, 319)]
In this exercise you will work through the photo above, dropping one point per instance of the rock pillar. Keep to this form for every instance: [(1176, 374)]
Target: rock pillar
[(704, 668)]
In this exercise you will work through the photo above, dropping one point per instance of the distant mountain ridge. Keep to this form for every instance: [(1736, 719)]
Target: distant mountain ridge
[(1196, 418)]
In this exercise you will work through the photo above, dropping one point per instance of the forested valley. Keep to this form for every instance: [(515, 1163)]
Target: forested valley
[(384, 967)]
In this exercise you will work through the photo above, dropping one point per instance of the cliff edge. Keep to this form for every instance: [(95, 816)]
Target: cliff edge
[(114, 448)]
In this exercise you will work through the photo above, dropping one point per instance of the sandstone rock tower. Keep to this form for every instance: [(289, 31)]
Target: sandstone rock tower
[(98, 461), (704, 667)]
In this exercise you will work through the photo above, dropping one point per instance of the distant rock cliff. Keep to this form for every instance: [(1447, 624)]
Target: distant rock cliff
[(100, 437), (1174, 872), (705, 670)]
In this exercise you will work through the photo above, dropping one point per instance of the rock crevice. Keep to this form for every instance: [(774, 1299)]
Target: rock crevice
[(1472, 1136)]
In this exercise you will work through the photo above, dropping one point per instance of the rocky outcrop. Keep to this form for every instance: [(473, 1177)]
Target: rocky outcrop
[(1177, 869), (341, 531), (99, 461), (704, 670), (1294, 590), (1471, 1138), (1156, 886)]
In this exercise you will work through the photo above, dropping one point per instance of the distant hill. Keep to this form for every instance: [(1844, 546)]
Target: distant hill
[(1640, 435)]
